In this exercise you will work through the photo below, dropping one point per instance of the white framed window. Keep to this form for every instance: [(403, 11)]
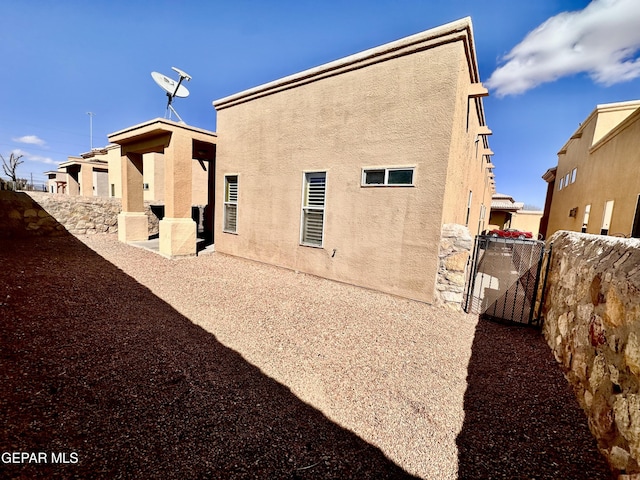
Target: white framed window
[(561, 184), (230, 204), (377, 177), (585, 218), (566, 179), (574, 172), (606, 217), (466, 222), (313, 203), (145, 186)]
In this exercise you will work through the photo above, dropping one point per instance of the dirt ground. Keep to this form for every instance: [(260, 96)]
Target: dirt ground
[(128, 365)]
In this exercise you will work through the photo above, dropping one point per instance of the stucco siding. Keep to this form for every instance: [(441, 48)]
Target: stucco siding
[(466, 165), (606, 170), (396, 113)]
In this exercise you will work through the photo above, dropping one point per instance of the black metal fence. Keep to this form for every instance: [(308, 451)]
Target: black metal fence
[(504, 279)]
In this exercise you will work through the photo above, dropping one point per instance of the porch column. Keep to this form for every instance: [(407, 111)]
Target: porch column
[(86, 180), (177, 229), (132, 221)]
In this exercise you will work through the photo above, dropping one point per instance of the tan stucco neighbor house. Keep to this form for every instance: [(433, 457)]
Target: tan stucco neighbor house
[(507, 213), (184, 153), (350, 170), (595, 188)]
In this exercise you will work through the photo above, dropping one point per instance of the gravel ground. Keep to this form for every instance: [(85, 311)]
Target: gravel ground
[(218, 367)]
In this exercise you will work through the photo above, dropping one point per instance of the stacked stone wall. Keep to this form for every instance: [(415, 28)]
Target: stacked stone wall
[(455, 249), (21, 216), (592, 323), (41, 213)]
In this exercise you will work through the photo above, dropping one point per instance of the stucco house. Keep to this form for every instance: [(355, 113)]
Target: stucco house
[(595, 188), (507, 213), (350, 170), (98, 173)]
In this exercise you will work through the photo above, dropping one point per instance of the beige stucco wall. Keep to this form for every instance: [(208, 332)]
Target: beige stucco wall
[(115, 171), (466, 165), (153, 175), (606, 170), (392, 113), (200, 179), (527, 221)]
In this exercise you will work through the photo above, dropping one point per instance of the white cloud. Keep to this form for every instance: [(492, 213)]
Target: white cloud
[(35, 158), (600, 40), (30, 139)]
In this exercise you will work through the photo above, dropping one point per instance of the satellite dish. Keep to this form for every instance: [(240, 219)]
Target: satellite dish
[(172, 88)]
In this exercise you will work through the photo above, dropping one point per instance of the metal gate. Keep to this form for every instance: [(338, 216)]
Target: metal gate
[(504, 279)]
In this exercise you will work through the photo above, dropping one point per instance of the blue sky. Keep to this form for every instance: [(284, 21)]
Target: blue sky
[(547, 64)]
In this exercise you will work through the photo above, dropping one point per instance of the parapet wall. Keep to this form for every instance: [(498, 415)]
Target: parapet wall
[(592, 323)]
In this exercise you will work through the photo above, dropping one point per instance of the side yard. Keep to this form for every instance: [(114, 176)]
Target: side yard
[(217, 366)]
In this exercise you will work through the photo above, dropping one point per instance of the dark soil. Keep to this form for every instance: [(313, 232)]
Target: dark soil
[(522, 420)]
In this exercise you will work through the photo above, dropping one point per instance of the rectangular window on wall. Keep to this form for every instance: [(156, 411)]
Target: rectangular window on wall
[(466, 222), (313, 203), (372, 177), (230, 203), (606, 217), (574, 172), (585, 218)]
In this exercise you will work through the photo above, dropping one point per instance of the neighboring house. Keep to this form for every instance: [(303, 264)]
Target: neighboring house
[(503, 209), (56, 181), (595, 188), (99, 173), (86, 175), (349, 170), (507, 213)]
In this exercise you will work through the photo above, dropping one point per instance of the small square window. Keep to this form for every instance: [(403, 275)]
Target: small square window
[(374, 177), (400, 177)]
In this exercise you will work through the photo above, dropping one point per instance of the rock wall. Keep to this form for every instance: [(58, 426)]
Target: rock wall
[(87, 215), (455, 249), (592, 323), (21, 216)]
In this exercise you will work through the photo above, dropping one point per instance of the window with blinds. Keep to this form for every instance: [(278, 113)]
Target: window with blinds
[(230, 203), (313, 209)]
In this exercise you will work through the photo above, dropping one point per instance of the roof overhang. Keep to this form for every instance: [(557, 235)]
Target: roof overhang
[(155, 135), (550, 175)]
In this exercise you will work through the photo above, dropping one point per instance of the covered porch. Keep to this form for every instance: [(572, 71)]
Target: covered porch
[(180, 145)]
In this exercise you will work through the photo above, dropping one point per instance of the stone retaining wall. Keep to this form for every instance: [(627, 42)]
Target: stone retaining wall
[(21, 216), (455, 249), (592, 323), (46, 214)]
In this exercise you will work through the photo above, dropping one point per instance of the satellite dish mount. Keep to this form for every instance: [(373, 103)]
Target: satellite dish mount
[(172, 89)]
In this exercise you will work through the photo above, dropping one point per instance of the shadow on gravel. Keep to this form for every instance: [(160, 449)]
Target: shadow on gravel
[(521, 417), (96, 367)]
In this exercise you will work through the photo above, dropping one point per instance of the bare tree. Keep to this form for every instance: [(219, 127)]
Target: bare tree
[(11, 166)]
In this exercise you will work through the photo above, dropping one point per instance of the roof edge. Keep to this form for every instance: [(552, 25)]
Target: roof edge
[(457, 30)]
